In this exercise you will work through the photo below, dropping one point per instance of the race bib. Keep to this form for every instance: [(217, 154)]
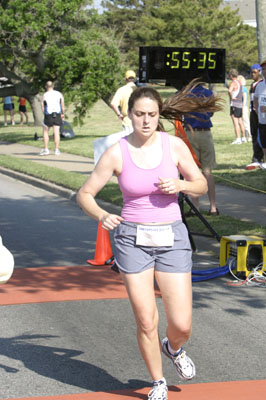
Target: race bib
[(262, 100), (155, 236)]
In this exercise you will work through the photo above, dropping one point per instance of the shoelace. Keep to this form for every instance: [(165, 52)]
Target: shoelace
[(158, 392), (182, 360)]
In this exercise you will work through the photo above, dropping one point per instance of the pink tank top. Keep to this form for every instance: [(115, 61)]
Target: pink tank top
[(143, 201)]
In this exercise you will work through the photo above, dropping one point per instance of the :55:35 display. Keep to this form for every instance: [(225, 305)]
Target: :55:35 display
[(187, 60)]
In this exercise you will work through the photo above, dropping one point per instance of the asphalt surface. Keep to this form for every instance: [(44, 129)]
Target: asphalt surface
[(77, 346)]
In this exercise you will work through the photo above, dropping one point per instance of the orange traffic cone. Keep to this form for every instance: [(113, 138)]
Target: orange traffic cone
[(103, 252)]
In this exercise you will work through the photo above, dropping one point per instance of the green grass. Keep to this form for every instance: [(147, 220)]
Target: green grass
[(101, 121), (225, 225)]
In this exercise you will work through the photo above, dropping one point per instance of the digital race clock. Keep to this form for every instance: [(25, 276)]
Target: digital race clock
[(179, 65)]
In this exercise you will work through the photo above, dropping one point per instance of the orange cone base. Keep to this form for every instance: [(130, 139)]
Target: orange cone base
[(99, 262)]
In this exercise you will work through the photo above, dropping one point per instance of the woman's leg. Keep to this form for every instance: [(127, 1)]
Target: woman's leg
[(242, 127), (5, 117), (177, 297), (176, 291), (236, 126), (140, 288), (21, 118), (12, 116)]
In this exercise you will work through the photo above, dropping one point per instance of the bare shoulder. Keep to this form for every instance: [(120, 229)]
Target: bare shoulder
[(233, 85), (179, 149), (176, 143)]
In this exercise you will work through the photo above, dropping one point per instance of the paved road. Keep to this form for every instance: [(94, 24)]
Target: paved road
[(82, 346), (41, 228)]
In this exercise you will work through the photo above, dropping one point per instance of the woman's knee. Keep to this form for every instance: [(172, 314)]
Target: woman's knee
[(148, 325), (183, 329)]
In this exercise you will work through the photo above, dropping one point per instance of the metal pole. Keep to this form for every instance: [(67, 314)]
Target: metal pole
[(261, 28)]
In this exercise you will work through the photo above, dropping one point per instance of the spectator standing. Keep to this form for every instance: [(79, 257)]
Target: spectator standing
[(236, 104), (22, 110), (201, 140), (245, 112), (53, 107), (8, 108), (119, 102), (257, 157), (260, 108)]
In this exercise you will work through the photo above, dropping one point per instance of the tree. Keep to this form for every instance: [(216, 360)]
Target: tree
[(192, 23), (56, 40)]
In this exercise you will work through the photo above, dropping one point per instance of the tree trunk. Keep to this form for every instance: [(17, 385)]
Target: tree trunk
[(261, 28), (35, 102)]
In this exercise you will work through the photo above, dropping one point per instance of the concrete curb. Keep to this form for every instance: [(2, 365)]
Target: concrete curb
[(50, 187), (55, 189)]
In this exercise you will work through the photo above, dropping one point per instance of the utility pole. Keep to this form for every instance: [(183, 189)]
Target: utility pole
[(261, 28)]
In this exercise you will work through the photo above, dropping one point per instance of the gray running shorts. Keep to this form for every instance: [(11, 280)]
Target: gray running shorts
[(132, 259)]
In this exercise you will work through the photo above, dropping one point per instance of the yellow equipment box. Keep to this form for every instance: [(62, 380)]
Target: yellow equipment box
[(248, 252)]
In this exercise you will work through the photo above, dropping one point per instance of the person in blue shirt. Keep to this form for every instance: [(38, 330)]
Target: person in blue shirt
[(199, 134), (8, 108)]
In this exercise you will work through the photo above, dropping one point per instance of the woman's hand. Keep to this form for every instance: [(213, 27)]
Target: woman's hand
[(168, 185), (110, 221)]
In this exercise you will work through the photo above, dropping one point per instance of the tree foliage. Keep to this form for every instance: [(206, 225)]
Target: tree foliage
[(56, 40), (192, 23)]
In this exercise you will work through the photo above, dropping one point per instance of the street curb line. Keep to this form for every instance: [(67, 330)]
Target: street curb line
[(49, 186), (56, 189)]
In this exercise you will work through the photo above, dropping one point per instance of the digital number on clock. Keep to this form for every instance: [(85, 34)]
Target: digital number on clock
[(186, 60), (179, 65)]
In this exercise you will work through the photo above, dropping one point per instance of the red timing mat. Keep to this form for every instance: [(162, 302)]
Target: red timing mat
[(47, 284), (245, 390)]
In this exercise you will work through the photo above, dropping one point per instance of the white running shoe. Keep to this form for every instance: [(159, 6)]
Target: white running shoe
[(263, 165), (57, 152), (237, 141), (244, 140), (44, 152), (183, 364), (159, 391)]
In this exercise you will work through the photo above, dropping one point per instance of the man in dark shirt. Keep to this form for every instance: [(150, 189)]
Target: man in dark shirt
[(200, 137)]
